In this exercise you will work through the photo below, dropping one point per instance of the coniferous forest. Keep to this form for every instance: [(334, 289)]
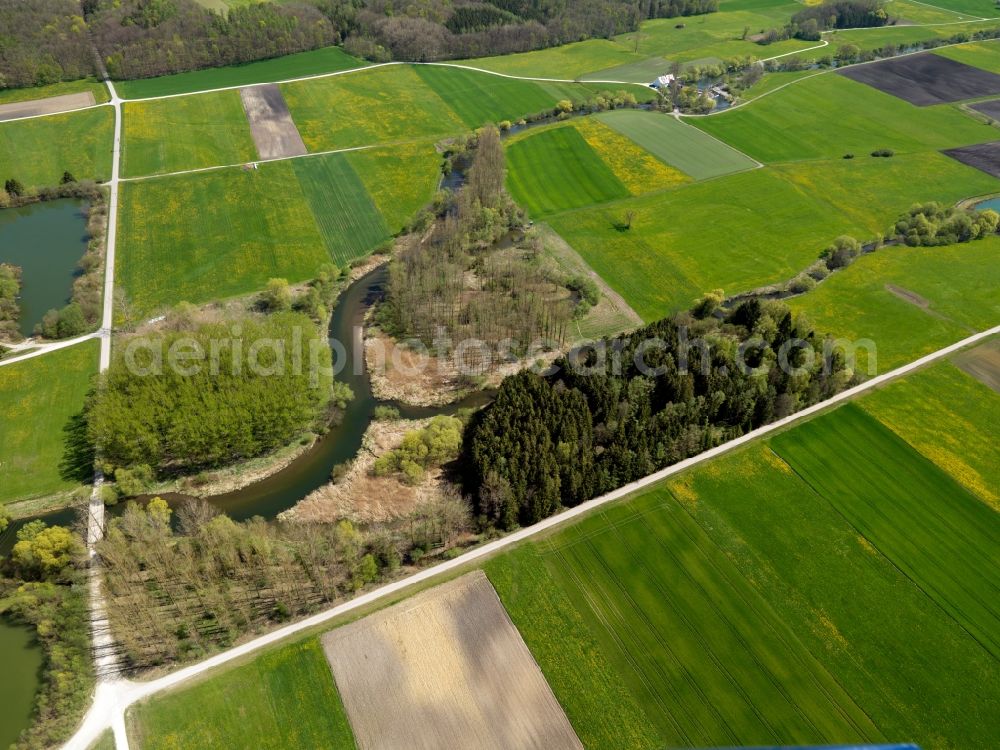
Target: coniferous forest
[(557, 440)]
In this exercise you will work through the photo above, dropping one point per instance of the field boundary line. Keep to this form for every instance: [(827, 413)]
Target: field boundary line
[(51, 114), (144, 178), (113, 697)]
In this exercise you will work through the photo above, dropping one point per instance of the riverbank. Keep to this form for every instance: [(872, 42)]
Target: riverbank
[(358, 496)]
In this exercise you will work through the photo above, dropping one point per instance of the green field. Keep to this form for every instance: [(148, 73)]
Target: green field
[(754, 228), (957, 283), (937, 533), (38, 400), (98, 89), (400, 179), (827, 116), (285, 698), (381, 105), (914, 670), (479, 98), (315, 62), (951, 418), (39, 150), (678, 144), (348, 220), (208, 236), (590, 689), (556, 169), (706, 656), (186, 132), (985, 55), (714, 36)]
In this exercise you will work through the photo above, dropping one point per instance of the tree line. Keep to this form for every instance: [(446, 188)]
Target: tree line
[(43, 585), (181, 587), (809, 23), (10, 310), (553, 441)]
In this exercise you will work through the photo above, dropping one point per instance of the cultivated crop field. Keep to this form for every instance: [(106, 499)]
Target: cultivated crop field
[(369, 107), (951, 290), (478, 98), (700, 649), (603, 164), (985, 55), (952, 419), (925, 79), (214, 235), (314, 62), (828, 116), (39, 150), (285, 698), (460, 675), (678, 144), (187, 132), (555, 170), (39, 400), (348, 220), (936, 532)]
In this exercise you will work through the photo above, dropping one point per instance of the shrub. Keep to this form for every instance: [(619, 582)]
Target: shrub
[(883, 153), (385, 413)]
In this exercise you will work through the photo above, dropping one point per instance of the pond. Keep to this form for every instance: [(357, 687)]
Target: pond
[(22, 659), (990, 203), (47, 241)]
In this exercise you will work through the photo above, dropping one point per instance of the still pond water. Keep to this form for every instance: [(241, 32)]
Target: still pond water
[(46, 240), (22, 660)]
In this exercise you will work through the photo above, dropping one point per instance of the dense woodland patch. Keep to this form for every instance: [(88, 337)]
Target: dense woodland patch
[(600, 421)]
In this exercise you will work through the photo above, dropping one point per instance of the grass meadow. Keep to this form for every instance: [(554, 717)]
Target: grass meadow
[(39, 150), (952, 419), (381, 105), (400, 179), (349, 221), (937, 533), (38, 400), (956, 294), (985, 55), (828, 116), (678, 144), (752, 228), (207, 236), (187, 132), (284, 698), (314, 62), (712, 663)]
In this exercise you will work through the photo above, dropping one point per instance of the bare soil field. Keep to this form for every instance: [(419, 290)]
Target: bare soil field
[(982, 363), (48, 106), (984, 156), (445, 669), (271, 124), (990, 108), (925, 79)]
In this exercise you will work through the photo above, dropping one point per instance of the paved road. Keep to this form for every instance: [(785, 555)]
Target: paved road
[(113, 697)]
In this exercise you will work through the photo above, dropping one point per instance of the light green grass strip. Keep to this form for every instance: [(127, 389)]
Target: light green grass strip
[(314, 62), (678, 144), (350, 223)]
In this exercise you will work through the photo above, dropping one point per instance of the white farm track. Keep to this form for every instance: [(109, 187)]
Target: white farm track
[(114, 694)]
